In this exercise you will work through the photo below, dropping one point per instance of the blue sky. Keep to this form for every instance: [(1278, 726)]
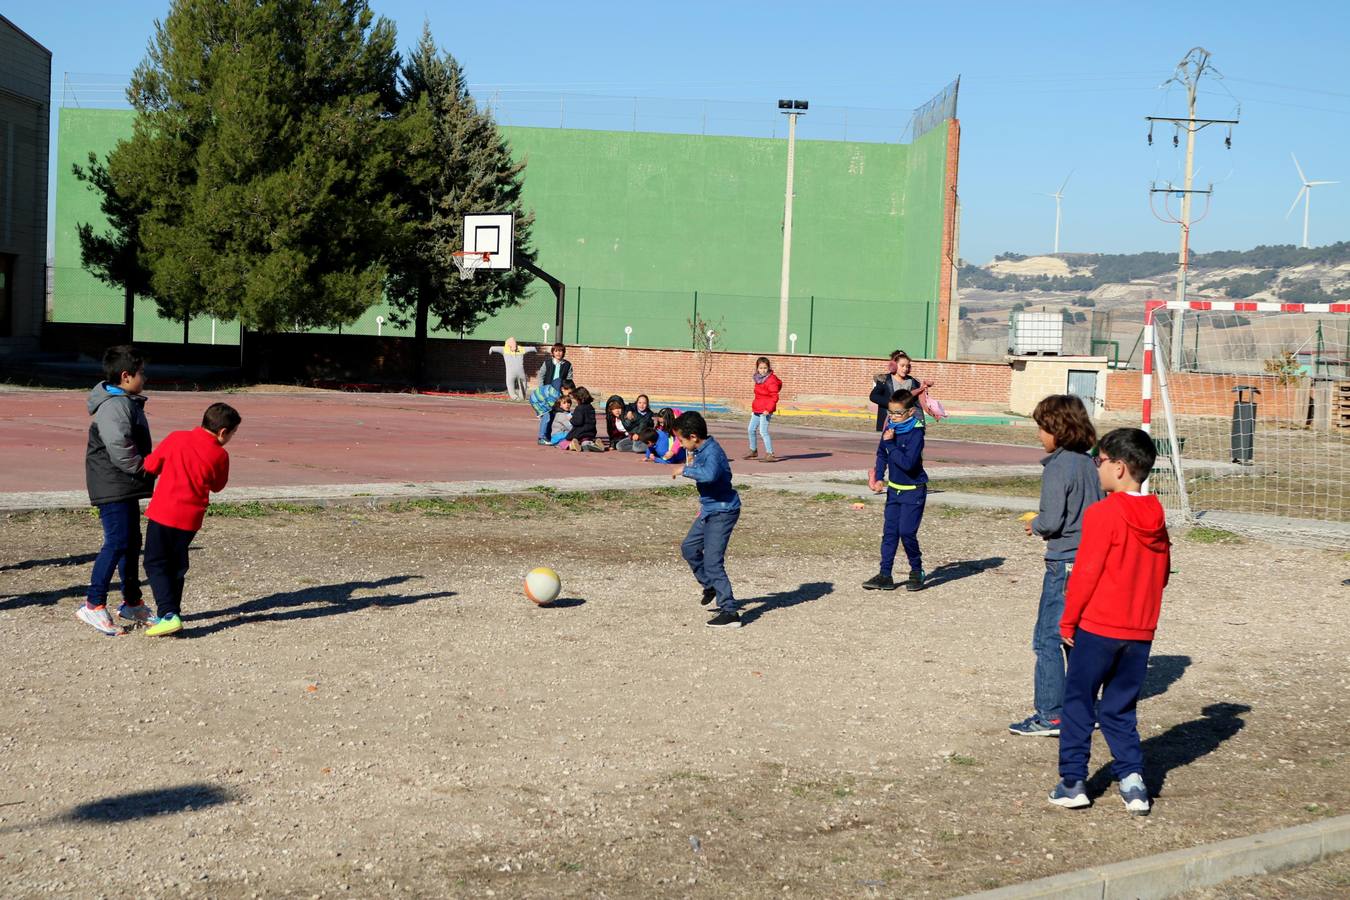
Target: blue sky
[(1044, 91)]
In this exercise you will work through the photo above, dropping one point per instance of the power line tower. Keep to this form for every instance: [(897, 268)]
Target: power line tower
[(1189, 71)]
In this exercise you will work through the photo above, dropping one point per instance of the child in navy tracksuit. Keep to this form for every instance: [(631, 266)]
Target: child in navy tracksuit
[(899, 472), (719, 509), (1110, 615)]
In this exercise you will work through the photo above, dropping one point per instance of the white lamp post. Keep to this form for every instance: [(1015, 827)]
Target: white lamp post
[(793, 338), (379, 326), (545, 327), (628, 335), (711, 334), (792, 109)]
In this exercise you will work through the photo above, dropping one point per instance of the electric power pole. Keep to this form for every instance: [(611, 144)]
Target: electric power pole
[(792, 109), (1189, 70)]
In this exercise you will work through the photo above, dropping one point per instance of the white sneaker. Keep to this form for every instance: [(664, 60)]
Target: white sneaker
[(139, 614), (1134, 794), (98, 619)]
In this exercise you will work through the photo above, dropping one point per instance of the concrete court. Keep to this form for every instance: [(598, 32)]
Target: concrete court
[(319, 438)]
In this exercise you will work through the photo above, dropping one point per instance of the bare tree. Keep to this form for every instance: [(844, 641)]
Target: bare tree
[(706, 337)]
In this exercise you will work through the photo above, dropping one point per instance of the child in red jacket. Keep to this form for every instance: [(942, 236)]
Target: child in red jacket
[(1110, 613), (190, 465), (765, 405)]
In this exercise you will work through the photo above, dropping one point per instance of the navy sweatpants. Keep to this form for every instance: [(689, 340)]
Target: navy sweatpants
[(904, 512), (1116, 668), (166, 566)]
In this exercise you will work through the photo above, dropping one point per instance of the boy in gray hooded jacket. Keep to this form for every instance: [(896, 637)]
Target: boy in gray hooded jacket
[(1069, 485), (114, 472)]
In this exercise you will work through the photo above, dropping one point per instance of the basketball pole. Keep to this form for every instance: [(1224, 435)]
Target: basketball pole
[(793, 108)]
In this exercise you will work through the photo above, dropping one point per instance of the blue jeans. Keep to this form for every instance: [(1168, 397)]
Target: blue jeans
[(1049, 678), (904, 513), (705, 549), (761, 420), (545, 424), (1117, 668), (120, 553)]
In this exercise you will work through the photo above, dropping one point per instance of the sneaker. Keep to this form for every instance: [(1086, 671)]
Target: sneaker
[(880, 582), (753, 454), (1035, 726), (137, 613), (709, 595), (545, 442), (591, 447), (725, 619), (165, 626), (915, 581), (1070, 796), (768, 457), (97, 618), (1134, 794)]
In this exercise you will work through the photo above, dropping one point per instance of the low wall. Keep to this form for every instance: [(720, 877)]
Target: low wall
[(1035, 377), (1200, 394), (467, 365)]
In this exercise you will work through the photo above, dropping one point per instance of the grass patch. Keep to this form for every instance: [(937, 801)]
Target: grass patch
[(1204, 534), (957, 759), (251, 510), (1011, 486), (829, 497)]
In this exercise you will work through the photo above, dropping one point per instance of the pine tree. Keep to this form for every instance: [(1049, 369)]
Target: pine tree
[(114, 256), (261, 160), (453, 162)]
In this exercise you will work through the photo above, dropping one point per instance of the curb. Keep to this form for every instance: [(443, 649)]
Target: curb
[(379, 494), (1169, 874)]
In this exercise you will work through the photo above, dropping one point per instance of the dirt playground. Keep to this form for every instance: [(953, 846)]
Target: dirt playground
[(364, 704)]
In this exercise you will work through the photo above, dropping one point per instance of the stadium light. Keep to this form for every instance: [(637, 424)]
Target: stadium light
[(792, 109)]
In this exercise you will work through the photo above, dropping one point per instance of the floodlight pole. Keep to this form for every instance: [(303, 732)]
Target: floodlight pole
[(792, 108)]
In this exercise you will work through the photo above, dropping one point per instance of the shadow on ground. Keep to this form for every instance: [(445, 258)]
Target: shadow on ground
[(43, 598), (955, 571), (146, 804), (79, 559), (309, 603), (1180, 746), (751, 610), (1163, 672)]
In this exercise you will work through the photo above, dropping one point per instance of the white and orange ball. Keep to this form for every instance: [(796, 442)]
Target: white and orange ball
[(542, 585)]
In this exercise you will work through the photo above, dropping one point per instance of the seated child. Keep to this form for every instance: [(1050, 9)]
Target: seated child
[(637, 418), (662, 444), (562, 421), (582, 435), (615, 429)]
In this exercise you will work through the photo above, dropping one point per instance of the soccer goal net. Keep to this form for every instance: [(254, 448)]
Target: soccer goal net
[(1249, 406)]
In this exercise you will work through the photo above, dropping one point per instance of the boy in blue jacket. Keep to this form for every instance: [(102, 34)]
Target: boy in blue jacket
[(899, 472), (705, 546)]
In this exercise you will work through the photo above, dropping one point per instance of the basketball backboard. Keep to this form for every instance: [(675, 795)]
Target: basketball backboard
[(493, 233)]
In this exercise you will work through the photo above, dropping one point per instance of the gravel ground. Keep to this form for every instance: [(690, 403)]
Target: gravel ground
[(364, 702)]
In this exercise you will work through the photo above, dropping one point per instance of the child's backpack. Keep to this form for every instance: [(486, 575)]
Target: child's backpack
[(543, 397)]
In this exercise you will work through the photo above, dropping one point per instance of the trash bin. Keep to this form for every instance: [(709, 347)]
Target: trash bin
[(1243, 436)]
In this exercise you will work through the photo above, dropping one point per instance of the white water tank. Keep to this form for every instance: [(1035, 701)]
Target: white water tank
[(1036, 333)]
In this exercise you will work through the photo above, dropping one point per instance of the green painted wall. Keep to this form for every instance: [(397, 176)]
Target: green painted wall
[(645, 228)]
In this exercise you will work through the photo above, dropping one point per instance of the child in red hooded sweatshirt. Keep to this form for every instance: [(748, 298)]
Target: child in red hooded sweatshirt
[(767, 388), (1110, 613), (190, 465)]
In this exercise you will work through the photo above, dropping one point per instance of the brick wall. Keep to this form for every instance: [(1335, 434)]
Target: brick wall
[(1207, 395), (466, 365)]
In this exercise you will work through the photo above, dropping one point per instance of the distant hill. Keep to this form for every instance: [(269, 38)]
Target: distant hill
[(1312, 275)]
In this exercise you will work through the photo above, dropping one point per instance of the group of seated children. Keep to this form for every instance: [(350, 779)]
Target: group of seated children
[(567, 417)]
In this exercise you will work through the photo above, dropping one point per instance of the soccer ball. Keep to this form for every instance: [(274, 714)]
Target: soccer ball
[(543, 585)]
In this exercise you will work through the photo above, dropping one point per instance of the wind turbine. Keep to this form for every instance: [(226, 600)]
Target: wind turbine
[(1059, 196), (1304, 194)]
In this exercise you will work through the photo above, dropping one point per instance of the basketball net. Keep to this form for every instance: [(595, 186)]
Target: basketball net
[(468, 262)]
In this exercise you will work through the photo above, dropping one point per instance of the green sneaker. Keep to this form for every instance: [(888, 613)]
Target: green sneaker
[(165, 626)]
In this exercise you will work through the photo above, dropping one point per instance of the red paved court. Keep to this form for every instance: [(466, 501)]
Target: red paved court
[(340, 438)]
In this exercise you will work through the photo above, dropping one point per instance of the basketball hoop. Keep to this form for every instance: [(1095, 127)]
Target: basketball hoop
[(468, 261)]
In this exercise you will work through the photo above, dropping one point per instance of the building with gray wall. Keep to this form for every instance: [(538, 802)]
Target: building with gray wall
[(25, 113)]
